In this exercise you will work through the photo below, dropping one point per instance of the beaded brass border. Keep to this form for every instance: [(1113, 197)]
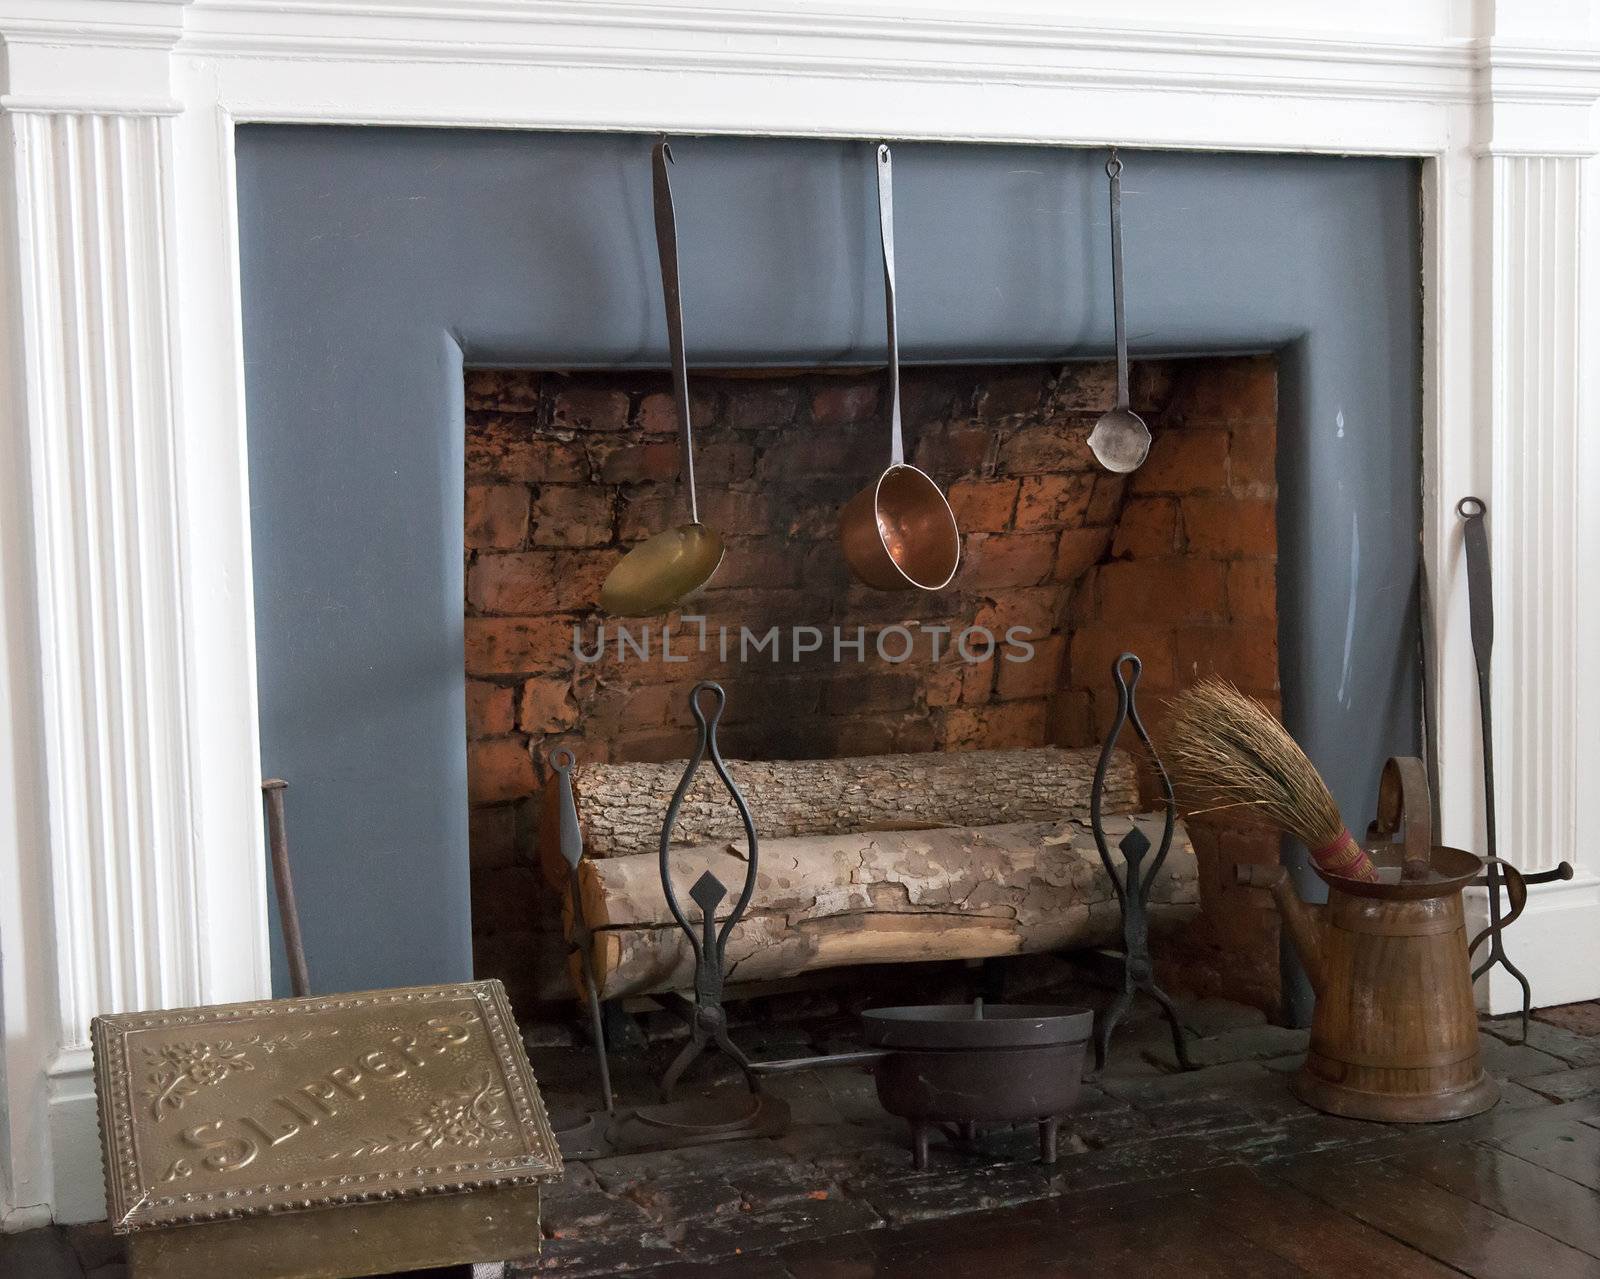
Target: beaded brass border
[(134, 1206)]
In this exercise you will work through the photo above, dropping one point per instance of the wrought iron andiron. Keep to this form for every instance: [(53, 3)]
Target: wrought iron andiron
[(708, 1020), (1480, 608), (1133, 888)]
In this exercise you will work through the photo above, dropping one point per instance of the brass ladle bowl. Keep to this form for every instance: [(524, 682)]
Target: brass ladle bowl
[(665, 567), (661, 570)]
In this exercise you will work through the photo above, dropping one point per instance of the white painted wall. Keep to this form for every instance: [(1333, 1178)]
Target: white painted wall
[(130, 843)]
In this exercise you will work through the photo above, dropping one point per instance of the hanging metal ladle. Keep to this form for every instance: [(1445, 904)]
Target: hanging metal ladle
[(899, 531), (675, 562), (1120, 440)]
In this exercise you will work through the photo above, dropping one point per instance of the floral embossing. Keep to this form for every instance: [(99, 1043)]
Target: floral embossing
[(177, 1071), (469, 1118), (180, 1070)]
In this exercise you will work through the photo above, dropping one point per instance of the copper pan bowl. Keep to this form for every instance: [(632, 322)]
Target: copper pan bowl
[(899, 532)]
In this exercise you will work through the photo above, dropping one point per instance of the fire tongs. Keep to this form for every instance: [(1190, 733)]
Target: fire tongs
[(1480, 607), (708, 1020), (1133, 888)]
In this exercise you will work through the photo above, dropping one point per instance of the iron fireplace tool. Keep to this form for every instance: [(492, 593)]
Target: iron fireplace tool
[(288, 914), (1133, 888), (707, 1118), (580, 936), (1480, 599)]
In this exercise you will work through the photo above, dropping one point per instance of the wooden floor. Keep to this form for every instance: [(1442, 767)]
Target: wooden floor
[(1219, 1171), (1515, 1194)]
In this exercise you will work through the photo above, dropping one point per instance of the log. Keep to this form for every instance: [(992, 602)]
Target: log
[(622, 806), (824, 901)]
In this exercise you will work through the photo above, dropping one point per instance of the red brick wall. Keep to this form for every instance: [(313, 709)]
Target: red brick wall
[(1190, 584), (565, 472)]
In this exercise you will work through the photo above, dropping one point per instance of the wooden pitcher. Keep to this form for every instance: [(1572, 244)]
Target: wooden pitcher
[(1395, 1032)]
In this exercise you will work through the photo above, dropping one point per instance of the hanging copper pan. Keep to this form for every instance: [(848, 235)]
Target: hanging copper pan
[(899, 531), (656, 574)]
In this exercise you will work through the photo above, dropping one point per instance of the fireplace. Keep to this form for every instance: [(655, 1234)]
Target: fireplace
[(1064, 567), (175, 639), (567, 465)]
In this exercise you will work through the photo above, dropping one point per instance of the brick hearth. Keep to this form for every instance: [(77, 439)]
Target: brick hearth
[(566, 471)]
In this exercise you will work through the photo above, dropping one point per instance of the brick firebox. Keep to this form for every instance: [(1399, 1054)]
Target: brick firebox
[(1176, 562)]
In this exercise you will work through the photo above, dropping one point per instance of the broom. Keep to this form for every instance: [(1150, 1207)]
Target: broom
[(1230, 746)]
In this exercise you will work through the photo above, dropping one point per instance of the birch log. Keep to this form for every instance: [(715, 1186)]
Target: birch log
[(824, 901), (622, 806)]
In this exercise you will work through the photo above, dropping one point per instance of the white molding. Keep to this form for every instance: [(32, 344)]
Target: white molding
[(218, 603), (27, 998), (1455, 462), (87, 104), (97, 376), (1535, 414), (899, 70), (80, 1191), (1543, 415), (128, 740), (102, 409)]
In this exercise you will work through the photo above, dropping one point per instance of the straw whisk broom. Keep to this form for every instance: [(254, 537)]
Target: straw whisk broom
[(1230, 747)]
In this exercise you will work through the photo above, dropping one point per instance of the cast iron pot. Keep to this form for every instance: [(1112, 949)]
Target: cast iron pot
[(968, 1064)]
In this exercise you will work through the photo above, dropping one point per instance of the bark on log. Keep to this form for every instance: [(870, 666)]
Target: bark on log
[(622, 806), (823, 901)]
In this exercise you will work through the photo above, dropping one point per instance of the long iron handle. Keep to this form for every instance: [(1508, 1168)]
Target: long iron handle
[(1118, 318), (672, 295), (897, 447), (1480, 609), (288, 914)]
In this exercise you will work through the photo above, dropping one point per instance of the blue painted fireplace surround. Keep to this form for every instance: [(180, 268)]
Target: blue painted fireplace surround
[(380, 262)]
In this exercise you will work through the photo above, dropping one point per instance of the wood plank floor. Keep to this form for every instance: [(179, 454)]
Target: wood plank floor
[(1515, 1195), (1215, 1172)]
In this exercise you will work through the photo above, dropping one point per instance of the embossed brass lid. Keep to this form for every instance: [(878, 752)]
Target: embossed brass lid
[(287, 1104)]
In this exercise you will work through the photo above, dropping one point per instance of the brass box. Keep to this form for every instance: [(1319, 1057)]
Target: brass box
[(325, 1136)]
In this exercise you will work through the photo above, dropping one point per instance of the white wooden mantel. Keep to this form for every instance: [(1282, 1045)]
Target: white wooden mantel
[(130, 843)]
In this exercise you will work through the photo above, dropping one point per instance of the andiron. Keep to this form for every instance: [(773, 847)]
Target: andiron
[(708, 1020), (1133, 887)]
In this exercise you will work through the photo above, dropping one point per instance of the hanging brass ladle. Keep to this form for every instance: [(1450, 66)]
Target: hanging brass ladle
[(675, 562)]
